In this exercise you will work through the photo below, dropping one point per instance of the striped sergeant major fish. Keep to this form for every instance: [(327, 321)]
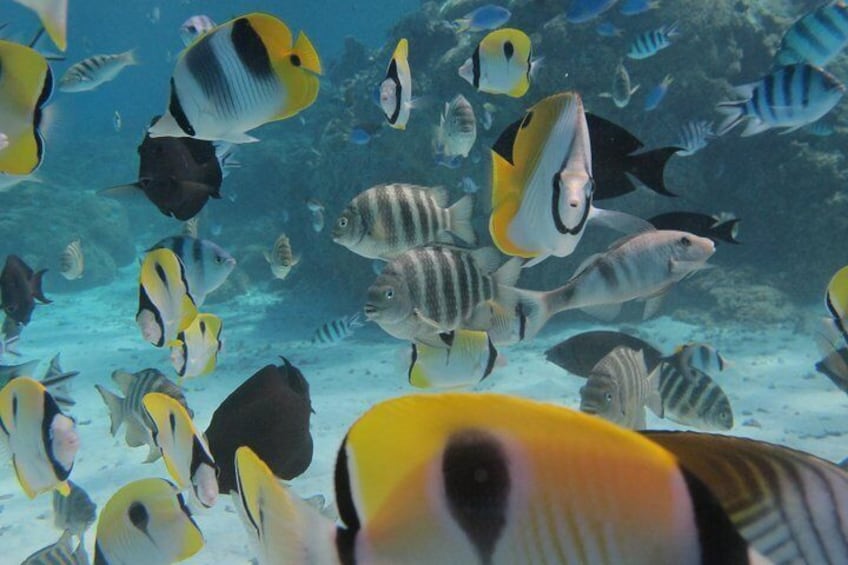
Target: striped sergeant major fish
[(334, 331), (690, 397), (90, 73), (817, 37), (788, 97), (74, 513), (694, 136), (651, 42), (61, 552)]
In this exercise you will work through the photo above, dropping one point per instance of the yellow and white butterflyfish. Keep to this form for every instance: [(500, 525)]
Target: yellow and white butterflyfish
[(469, 358), (195, 351), (239, 76), (396, 88), (502, 63), (165, 307)]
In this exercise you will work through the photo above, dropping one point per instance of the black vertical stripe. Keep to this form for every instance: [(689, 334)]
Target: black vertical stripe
[(447, 266), (475, 67), (407, 223), (251, 50), (175, 108)]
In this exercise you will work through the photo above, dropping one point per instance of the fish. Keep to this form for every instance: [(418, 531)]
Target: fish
[(694, 136), (165, 306), (196, 349), (489, 469), (701, 356), (25, 88), (608, 29), (691, 397), (56, 381), (72, 261), (542, 185), (469, 358), (177, 174), (194, 27), (649, 43), (714, 227), (334, 331), (61, 552), (387, 220), (129, 409), (457, 129), (41, 439), (817, 37), (621, 90), (9, 372), (489, 110), (117, 122), (789, 97), (619, 388), (635, 7), (836, 302), (191, 227), (146, 522), (657, 94), (359, 136), (184, 450), (581, 11), (53, 15), (580, 353), (74, 513), (260, 76), (490, 16), (95, 71), (783, 501), (468, 185), (834, 363), (502, 63), (314, 205), (318, 221), (433, 290), (269, 412), (20, 287), (280, 258), (396, 88), (207, 265)]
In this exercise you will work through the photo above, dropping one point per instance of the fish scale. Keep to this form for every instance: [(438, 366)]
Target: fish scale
[(817, 37)]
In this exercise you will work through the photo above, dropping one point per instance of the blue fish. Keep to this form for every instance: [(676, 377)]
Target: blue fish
[(452, 162), (649, 43), (486, 17), (608, 29), (634, 7), (580, 11), (359, 136), (694, 136), (817, 37), (656, 95)]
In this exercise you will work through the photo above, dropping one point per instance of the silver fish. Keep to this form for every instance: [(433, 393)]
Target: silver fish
[(90, 73), (621, 90), (694, 136), (60, 553), (334, 331), (72, 261), (207, 265), (74, 513), (389, 219), (280, 258), (690, 397), (457, 129), (816, 38), (701, 356)]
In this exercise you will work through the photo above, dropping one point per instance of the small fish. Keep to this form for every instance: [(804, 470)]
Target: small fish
[(57, 382), (280, 258), (265, 76), (396, 88), (457, 129), (165, 306), (206, 264), (834, 363), (191, 228), (129, 409), (53, 15), (146, 521), (61, 552), (358, 136), (74, 513), (388, 219), (41, 440), (817, 37), (789, 97), (717, 228), (116, 121), (183, 448), (657, 94), (314, 205), (490, 16), (489, 110), (334, 331), (154, 15), (690, 397), (836, 302), (649, 43), (468, 185), (502, 63), (694, 136), (635, 7), (20, 287), (701, 356), (72, 261), (580, 11), (318, 221), (469, 358), (195, 351), (608, 29), (621, 90), (94, 71), (194, 27), (619, 388)]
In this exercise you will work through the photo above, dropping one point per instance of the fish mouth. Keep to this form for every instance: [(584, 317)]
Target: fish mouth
[(370, 311)]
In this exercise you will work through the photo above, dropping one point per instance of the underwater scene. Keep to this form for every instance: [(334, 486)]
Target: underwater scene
[(511, 281)]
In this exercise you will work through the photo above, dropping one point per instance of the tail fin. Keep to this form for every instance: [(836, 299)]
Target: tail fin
[(459, 220), (35, 285), (56, 380), (115, 404), (735, 113), (649, 168), (727, 231), (529, 315)]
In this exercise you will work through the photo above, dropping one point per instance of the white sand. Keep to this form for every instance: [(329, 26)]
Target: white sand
[(771, 384)]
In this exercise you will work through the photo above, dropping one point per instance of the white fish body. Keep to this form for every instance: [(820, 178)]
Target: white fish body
[(396, 88), (72, 261), (90, 73), (457, 130)]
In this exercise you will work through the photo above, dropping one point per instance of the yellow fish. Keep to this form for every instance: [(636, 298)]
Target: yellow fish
[(502, 63), (469, 358), (165, 307), (195, 351), (396, 88)]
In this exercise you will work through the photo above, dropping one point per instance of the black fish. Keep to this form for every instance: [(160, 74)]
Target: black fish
[(177, 174), (19, 289), (580, 353), (699, 224), (614, 157), (269, 413)]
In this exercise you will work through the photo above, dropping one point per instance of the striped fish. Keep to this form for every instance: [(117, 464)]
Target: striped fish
[(72, 261), (389, 219), (74, 513), (619, 388), (280, 258), (396, 88), (789, 505), (701, 356), (129, 409), (694, 136), (60, 553), (431, 290), (621, 90), (817, 38), (334, 331), (690, 397), (207, 265), (90, 73), (649, 43), (457, 129), (789, 97)]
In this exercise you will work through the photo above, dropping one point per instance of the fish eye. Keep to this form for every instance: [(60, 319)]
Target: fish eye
[(295, 60), (608, 397), (685, 241), (342, 222), (390, 293), (219, 259)]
